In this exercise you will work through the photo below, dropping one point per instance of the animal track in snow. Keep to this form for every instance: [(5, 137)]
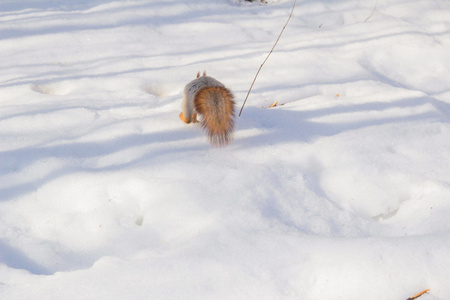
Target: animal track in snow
[(139, 220), (159, 90), (56, 89)]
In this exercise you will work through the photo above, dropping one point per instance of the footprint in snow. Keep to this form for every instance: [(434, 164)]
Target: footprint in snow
[(56, 89), (159, 90)]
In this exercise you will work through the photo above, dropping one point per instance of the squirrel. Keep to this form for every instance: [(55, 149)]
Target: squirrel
[(208, 97)]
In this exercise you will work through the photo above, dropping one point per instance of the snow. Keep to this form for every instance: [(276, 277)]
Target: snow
[(342, 191)]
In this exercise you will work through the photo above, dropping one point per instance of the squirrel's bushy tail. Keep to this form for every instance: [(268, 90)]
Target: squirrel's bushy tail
[(216, 105)]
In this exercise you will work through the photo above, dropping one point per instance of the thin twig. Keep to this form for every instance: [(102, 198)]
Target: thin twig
[(373, 11), (418, 295), (267, 58)]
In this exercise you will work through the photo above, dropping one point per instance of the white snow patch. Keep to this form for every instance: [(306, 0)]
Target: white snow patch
[(341, 191)]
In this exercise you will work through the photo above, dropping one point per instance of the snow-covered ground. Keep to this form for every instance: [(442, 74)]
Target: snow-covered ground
[(342, 191)]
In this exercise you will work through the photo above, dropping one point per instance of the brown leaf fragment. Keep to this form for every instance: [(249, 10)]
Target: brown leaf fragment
[(274, 104)]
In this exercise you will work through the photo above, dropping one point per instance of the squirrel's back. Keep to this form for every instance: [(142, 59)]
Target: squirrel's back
[(210, 98)]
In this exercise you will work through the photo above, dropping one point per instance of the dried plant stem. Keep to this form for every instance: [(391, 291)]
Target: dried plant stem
[(418, 295), (240, 112), (373, 11)]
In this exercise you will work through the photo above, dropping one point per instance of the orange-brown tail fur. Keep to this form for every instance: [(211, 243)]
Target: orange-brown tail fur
[(216, 105)]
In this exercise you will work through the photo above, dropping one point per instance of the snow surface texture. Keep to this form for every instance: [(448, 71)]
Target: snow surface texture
[(340, 192)]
